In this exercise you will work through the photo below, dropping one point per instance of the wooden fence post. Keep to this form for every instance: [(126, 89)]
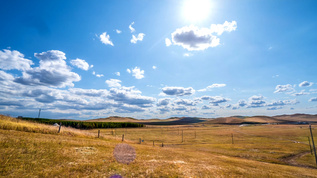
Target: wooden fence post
[(311, 151), (122, 137), (60, 125), (182, 136), (232, 138), (98, 133), (140, 140), (312, 139), (162, 145)]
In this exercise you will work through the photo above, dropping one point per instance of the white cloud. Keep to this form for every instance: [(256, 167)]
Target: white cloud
[(129, 71), (163, 102), (284, 88), (215, 85), (118, 31), (138, 38), (185, 102), (225, 27), (14, 60), (154, 67), (305, 84), (117, 73), (215, 100), (178, 91), (138, 73), (80, 63), (131, 28), (97, 75), (53, 71), (300, 93), (105, 39), (113, 83), (168, 42), (194, 38), (130, 96), (313, 99), (187, 54)]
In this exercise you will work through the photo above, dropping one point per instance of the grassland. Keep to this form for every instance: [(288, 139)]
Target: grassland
[(36, 150)]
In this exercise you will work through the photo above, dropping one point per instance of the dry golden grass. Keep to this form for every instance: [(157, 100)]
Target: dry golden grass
[(34, 152)]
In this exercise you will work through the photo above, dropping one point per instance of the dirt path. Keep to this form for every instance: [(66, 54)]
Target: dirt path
[(291, 160)]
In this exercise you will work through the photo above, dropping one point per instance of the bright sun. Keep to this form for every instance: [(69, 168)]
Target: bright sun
[(196, 10)]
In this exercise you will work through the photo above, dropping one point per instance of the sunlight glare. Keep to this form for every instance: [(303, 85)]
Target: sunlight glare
[(196, 10)]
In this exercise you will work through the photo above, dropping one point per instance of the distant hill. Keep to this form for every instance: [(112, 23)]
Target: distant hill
[(294, 118), (282, 119)]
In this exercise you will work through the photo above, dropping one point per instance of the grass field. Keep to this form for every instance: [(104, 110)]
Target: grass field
[(36, 150)]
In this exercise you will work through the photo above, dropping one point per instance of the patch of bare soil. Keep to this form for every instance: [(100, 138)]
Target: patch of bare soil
[(124, 153), (291, 160)]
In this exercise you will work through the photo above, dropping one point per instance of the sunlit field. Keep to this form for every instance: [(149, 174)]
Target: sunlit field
[(265, 151)]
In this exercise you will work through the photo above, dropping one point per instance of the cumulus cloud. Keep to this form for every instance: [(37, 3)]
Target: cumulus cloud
[(97, 75), (80, 63), (154, 67), (178, 91), (136, 72), (242, 103), (254, 97), (283, 102), (130, 96), (216, 85), (225, 27), (168, 42), (117, 73), (204, 107), (53, 71), (185, 102), (163, 102), (194, 38), (105, 39), (284, 88), (118, 31), (305, 84), (13, 60), (300, 93), (113, 83), (215, 100), (274, 108), (313, 99), (135, 39), (131, 28)]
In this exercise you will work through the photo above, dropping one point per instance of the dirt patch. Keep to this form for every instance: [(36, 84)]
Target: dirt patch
[(291, 160), (124, 153)]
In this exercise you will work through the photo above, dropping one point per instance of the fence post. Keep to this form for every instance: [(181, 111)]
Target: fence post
[(232, 138), (122, 137), (60, 125), (140, 140), (153, 142), (98, 133), (312, 139), (162, 145), (311, 151), (182, 136)]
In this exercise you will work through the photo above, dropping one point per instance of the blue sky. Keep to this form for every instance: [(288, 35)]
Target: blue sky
[(157, 59)]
